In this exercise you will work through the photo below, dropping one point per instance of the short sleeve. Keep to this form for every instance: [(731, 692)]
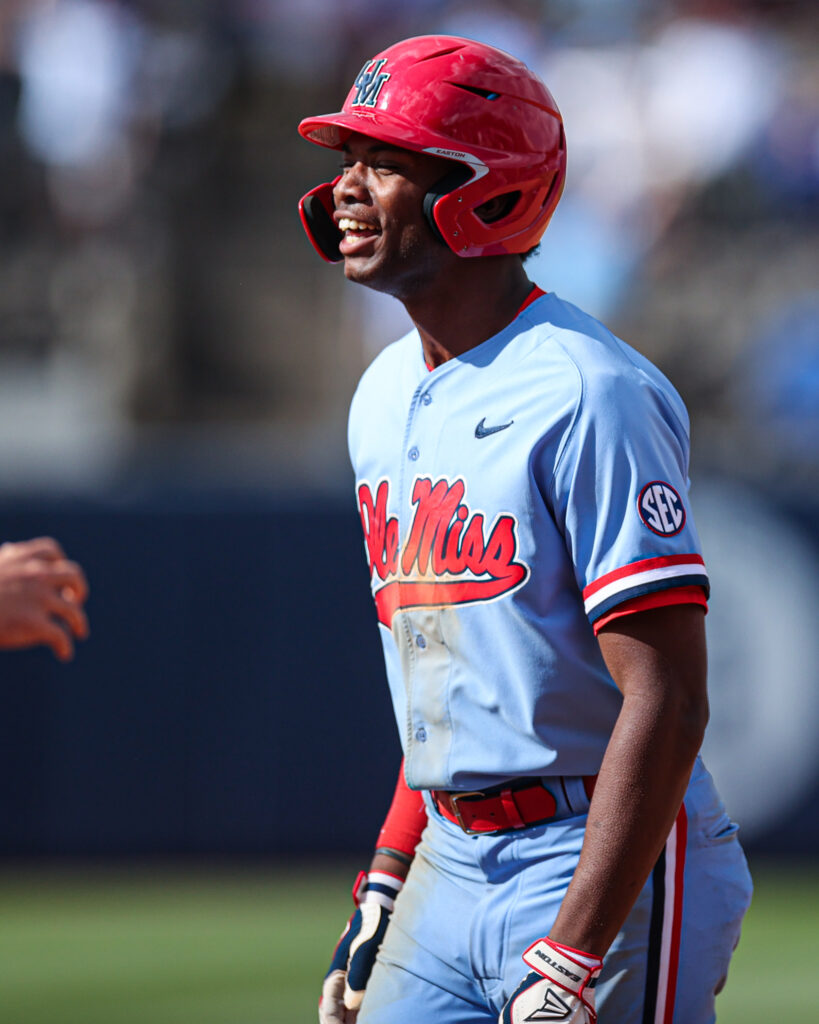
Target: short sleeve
[(620, 492)]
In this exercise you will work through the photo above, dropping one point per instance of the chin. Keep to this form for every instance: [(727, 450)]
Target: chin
[(365, 272)]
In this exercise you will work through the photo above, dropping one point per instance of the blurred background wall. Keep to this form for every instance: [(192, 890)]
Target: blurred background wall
[(176, 364)]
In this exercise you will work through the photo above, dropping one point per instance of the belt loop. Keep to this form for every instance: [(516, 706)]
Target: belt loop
[(511, 809), (577, 789)]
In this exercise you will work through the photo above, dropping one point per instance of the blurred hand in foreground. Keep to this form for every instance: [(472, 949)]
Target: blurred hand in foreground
[(41, 597)]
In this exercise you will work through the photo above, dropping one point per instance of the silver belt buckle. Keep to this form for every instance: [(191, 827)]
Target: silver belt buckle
[(455, 798)]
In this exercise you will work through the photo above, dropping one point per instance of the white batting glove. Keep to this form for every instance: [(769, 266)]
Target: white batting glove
[(354, 956), (560, 987)]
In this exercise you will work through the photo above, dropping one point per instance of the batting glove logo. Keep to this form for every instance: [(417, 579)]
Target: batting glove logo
[(560, 987), (553, 1008)]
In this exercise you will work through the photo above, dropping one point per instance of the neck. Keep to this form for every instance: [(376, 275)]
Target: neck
[(462, 309)]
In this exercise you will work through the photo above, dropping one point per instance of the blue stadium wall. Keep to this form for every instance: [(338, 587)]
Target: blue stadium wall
[(231, 699)]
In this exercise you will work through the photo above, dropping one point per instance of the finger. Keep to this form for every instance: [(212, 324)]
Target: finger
[(331, 1004), (60, 576), (57, 639), (44, 548), (69, 614), (79, 582), (352, 998), (67, 576)]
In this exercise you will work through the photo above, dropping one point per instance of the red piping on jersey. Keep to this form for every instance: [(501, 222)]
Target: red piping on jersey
[(659, 599)]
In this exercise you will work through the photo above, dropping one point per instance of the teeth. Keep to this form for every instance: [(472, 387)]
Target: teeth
[(348, 224)]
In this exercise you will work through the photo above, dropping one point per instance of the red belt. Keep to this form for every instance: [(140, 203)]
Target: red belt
[(515, 804)]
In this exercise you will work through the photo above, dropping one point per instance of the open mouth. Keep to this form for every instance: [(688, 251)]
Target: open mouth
[(349, 226), (357, 236)]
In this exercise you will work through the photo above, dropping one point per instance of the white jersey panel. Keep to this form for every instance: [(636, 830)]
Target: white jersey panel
[(508, 498)]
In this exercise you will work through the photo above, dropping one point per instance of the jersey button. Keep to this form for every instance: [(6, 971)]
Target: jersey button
[(420, 641), (421, 734), (427, 398), (413, 453)]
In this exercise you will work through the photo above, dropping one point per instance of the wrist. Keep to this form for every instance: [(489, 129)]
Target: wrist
[(591, 960), (571, 969), (583, 940), (386, 861)]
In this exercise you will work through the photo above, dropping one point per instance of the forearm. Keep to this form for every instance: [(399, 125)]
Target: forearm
[(401, 831), (637, 798), (658, 660)]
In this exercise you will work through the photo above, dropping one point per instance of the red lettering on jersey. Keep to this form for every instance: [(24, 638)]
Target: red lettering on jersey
[(380, 533), (446, 560), (435, 509)]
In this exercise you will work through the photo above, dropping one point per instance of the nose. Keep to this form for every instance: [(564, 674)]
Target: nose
[(351, 186)]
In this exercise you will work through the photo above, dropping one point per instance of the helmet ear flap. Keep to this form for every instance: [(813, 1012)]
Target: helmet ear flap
[(316, 211), (458, 176)]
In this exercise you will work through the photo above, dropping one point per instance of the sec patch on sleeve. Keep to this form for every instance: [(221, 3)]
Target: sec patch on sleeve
[(661, 508)]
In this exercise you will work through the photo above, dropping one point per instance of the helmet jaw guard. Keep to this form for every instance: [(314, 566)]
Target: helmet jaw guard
[(316, 212), (466, 102)]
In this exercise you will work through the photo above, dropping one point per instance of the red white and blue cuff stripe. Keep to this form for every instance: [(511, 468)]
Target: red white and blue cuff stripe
[(382, 888), (647, 576)]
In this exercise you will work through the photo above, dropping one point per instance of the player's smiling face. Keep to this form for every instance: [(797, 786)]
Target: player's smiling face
[(387, 244)]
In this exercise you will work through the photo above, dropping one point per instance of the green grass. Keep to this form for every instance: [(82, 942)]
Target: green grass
[(771, 977), (138, 948), (219, 947)]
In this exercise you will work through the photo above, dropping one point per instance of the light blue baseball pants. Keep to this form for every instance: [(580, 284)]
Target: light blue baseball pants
[(472, 904)]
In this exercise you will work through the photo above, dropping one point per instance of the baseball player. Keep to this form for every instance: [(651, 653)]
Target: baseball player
[(41, 597), (555, 849)]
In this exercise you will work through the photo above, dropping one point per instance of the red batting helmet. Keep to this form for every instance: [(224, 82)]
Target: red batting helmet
[(467, 102)]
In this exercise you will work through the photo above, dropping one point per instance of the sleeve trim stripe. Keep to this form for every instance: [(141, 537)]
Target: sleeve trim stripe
[(644, 565), (656, 599), (636, 586), (644, 568)]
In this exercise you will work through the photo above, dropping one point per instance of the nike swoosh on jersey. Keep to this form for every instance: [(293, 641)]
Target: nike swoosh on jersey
[(484, 431)]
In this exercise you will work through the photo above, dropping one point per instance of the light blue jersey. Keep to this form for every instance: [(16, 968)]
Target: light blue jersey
[(511, 498)]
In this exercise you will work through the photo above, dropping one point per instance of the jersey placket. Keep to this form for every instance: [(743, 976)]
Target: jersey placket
[(425, 659)]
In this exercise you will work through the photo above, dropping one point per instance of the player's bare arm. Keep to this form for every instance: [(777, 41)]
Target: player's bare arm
[(42, 593), (658, 660)]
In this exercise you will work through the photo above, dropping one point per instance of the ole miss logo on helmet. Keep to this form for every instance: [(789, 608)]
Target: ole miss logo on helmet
[(449, 557), (661, 508), (369, 83)]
